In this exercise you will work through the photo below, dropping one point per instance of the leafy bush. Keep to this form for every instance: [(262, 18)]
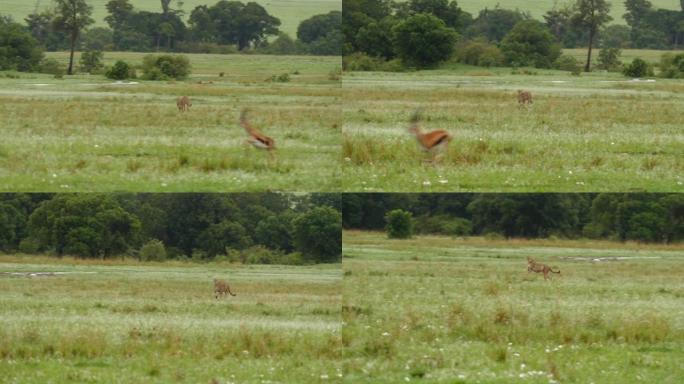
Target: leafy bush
[(52, 67), (318, 234), (361, 62), (282, 78), (91, 61), (530, 43), (672, 66), (609, 59), (29, 246), (480, 53), (164, 67), (398, 224), (423, 40), (19, 50), (638, 68), (120, 71), (567, 63), (153, 250)]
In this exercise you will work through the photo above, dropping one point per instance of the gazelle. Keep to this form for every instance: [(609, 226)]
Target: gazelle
[(183, 103), (256, 138), (430, 141), (524, 98)]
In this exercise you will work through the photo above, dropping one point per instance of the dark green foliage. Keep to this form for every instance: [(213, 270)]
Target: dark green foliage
[(91, 61), (120, 71), (164, 67), (233, 22), (399, 224), (318, 234), (375, 38), (19, 50), (479, 52), (615, 36), (319, 26), (42, 27), (98, 39), (530, 43), (283, 45), (609, 59), (447, 11), (672, 66), (423, 40), (276, 231), (494, 24), (224, 235), (638, 68), (85, 225), (649, 217)]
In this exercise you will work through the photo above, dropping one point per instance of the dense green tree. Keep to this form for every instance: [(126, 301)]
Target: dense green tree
[(71, 17), (18, 49), (318, 234), (43, 28), (233, 22), (423, 40), (223, 235), (375, 38), (591, 15), (275, 232), (97, 39), (494, 24), (530, 43), (318, 26), (399, 224), (448, 11)]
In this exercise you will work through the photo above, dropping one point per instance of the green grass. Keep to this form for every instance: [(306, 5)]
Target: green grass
[(596, 132), (441, 310), (290, 12), (160, 323), (627, 55), (87, 133)]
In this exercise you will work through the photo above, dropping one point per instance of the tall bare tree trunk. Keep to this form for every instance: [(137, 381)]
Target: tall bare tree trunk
[(587, 67), (71, 54)]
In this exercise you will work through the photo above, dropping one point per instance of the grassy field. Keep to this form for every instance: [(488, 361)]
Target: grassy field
[(436, 310), (290, 12), (88, 133), (596, 132), (126, 322)]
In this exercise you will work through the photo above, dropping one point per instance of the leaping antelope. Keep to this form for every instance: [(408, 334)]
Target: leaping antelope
[(256, 138), (430, 141)]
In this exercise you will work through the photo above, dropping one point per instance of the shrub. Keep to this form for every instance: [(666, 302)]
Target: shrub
[(672, 66), (399, 224), (480, 53), (164, 67), (638, 68), (153, 250), (609, 59), (282, 78), (52, 67), (423, 40), (120, 71), (29, 245), (567, 63), (91, 61), (443, 225), (530, 43), (361, 62)]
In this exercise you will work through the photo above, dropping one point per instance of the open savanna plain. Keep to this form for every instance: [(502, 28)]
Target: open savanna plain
[(442, 310), (125, 322), (88, 133), (596, 132)]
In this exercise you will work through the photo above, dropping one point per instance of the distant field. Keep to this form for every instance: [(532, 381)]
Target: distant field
[(159, 323), (595, 132), (88, 133), (441, 310), (290, 12), (650, 55), (538, 7)]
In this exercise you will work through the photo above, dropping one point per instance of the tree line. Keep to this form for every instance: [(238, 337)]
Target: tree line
[(652, 217), (224, 27), (271, 228), (387, 35)]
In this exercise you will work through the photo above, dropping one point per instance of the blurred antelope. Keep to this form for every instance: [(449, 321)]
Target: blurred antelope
[(524, 98), (183, 103), (256, 138), (430, 141)]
